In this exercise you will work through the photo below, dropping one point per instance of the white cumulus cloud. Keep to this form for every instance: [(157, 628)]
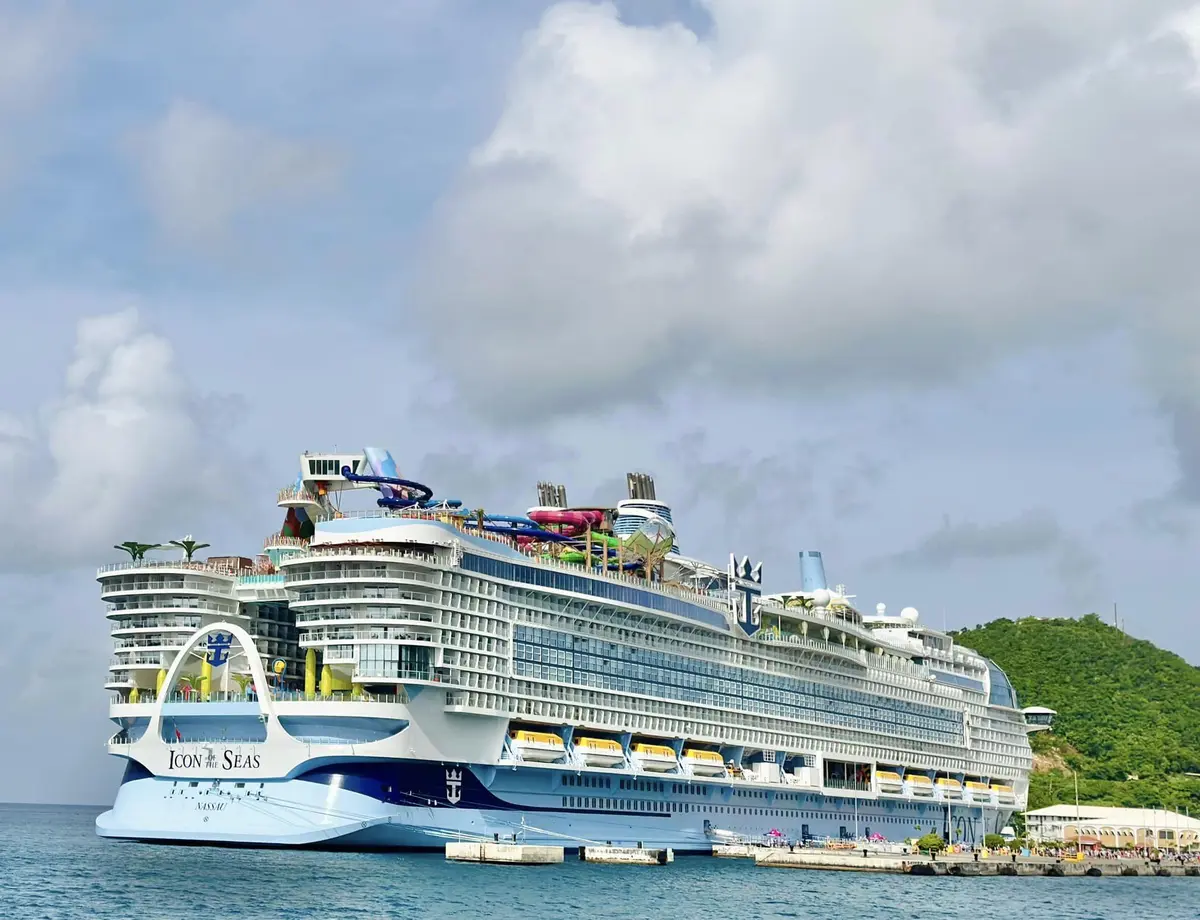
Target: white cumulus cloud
[(121, 454), (809, 192)]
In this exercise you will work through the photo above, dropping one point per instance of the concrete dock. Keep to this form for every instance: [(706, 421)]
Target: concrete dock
[(965, 864), (513, 854), (627, 856)]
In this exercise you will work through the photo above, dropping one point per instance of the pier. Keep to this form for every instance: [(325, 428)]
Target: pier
[(513, 854), (965, 864), (627, 856)]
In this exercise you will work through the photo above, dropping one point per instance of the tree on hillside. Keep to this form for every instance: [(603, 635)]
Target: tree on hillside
[(1126, 709)]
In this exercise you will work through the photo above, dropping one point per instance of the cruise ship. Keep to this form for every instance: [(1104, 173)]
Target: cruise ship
[(419, 671)]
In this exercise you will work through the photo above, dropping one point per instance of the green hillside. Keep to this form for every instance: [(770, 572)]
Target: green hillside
[(1126, 708)]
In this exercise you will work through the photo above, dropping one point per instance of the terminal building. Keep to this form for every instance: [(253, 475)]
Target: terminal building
[(1113, 828)]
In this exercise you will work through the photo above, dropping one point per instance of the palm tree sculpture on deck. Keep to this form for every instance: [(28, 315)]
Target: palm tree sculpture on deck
[(189, 546), (137, 551)]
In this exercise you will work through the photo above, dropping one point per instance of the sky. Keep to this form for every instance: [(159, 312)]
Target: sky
[(912, 284)]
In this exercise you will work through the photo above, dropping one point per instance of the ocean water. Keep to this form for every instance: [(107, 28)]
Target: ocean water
[(53, 865)]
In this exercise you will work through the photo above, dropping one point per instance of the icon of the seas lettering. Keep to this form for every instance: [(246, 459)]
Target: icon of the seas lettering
[(237, 761), (229, 760)]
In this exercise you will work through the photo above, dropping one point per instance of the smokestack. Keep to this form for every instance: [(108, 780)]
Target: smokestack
[(812, 571)]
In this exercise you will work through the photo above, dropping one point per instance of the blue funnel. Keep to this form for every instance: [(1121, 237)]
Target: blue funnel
[(812, 571)]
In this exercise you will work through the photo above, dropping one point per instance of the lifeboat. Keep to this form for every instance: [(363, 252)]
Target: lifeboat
[(979, 791), (919, 784), (703, 763), (1004, 793), (655, 758), (599, 752), (538, 747), (950, 788), (889, 781)]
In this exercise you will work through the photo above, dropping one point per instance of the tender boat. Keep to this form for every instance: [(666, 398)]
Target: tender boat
[(599, 752), (949, 787), (1004, 793), (538, 747), (655, 758), (980, 792), (919, 784), (889, 781), (703, 763)]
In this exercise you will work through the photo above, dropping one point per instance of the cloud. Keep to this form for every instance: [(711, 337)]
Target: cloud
[(1035, 534), (1029, 534), (121, 454), (201, 172), (811, 195), (36, 52)]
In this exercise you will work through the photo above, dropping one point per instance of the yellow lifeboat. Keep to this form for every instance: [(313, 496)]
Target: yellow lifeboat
[(655, 758), (703, 763), (889, 781), (538, 747), (599, 752), (919, 784), (950, 788), (1004, 793), (980, 792)]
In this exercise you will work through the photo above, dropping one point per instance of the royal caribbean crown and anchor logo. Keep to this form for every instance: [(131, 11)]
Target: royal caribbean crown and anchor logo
[(219, 646), (454, 786), (746, 579)]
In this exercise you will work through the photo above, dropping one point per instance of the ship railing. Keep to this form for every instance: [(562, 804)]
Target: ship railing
[(209, 568), (170, 604), (313, 595), (363, 549), (162, 642), (351, 635), (849, 784), (390, 614), (715, 600), (280, 541), (167, 622), (138, 659), (186, 585), (381, 572), (286, 696)]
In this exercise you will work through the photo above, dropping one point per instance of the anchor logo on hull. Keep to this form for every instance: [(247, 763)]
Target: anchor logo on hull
[(453, 786)]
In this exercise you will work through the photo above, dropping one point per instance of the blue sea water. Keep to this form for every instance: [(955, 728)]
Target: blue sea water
[(52, 865)]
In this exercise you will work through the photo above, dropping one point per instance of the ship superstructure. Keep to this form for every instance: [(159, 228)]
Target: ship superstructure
[(562, 675)]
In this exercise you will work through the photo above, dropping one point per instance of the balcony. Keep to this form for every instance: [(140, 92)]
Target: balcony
[(848, 784), (317, 636), (167, 622)]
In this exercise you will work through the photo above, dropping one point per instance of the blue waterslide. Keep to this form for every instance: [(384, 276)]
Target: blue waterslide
[(389, 487)]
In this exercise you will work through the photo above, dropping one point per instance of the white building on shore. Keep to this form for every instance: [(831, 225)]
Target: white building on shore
[(1113, 828)]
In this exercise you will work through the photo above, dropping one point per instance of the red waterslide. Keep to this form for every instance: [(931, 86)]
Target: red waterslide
[(569, 523)]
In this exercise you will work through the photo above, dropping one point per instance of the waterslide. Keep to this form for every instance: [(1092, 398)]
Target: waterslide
[(572, 523), (542, 525), (395, 492)]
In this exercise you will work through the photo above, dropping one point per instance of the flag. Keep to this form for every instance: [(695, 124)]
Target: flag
[(178, 735)]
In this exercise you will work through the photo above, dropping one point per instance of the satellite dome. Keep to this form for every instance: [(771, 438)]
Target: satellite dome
[(881, 610), (822, 597), (909, 613)]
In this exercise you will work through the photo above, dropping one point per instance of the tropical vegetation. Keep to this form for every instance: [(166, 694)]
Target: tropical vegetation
[(1128, 713)]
